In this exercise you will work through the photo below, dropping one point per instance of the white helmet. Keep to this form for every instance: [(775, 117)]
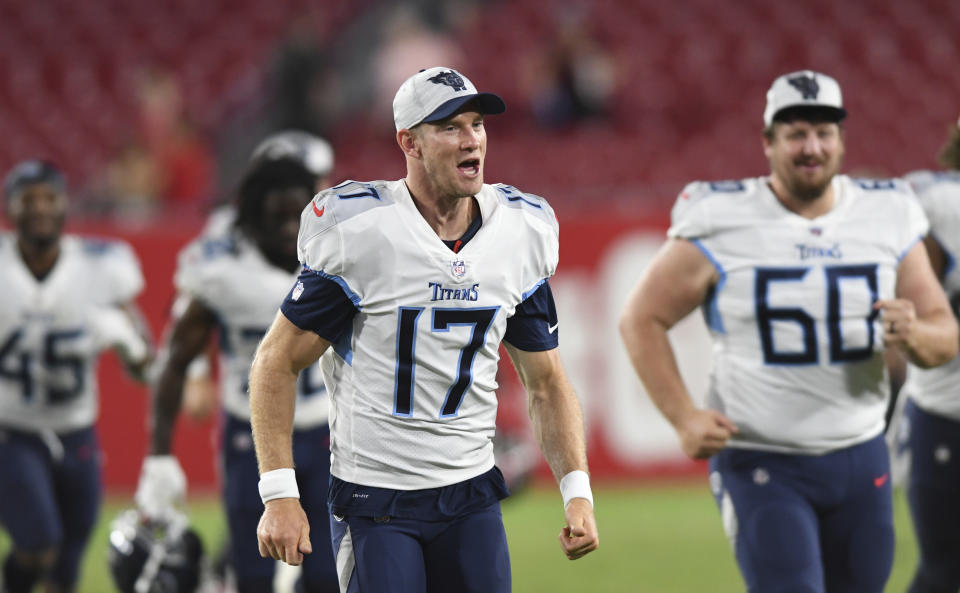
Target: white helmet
[(314, 152)]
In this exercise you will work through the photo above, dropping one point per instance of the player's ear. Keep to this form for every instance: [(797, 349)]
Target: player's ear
[(408, 143), (768, 133)]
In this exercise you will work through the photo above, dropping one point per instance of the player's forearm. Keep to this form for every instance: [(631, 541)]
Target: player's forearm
[(935, 340), (272, 399), (652, 357), (558, 425), (167, 397)]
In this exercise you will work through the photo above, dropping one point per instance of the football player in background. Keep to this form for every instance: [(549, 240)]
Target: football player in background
[(408, 289), (930, 428), (805, 277), (64, 300), (316, 155), (233, 284)]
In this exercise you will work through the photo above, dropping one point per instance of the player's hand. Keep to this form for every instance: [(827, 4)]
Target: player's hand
[(899, 317), (704, 432), (162, 486), (284, 533), (580, 536), (199, 398)]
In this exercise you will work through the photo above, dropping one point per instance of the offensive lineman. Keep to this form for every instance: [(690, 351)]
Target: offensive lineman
[(804, 277), (932, 412), (64, 300), (232, 284), (408, 289)]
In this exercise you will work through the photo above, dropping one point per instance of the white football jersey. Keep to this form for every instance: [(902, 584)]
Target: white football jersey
[(229, 275), (797, 344), (937, 390), (412, 387), (53, 330)]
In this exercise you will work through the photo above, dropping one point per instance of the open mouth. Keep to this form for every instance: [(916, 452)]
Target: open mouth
[(469, 167)]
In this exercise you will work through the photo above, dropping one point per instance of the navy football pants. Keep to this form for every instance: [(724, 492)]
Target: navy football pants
[(311, 453), (808, 523), (933, 492), (49, 501), (390, 555)]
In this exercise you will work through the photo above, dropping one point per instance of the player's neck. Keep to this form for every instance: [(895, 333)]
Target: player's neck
[(39, 257), (809, 206), (448, 217)]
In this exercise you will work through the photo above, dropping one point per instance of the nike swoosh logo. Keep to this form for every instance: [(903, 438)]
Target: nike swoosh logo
[(553, 327), (879, 482), (318, 211)]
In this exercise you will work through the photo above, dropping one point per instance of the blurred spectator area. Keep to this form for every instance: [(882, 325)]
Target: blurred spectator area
[(70, 69), (688, 88)]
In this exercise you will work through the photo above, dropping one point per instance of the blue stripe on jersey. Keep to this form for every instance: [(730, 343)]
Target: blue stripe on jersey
[(711, 312), (322, 305), (529, 329), (536, 286), (909, 247)]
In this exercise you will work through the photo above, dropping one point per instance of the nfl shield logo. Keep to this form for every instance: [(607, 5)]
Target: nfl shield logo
[(297, 291), (458, 267)]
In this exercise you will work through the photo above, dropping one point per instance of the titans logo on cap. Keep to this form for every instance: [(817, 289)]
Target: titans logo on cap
[(807, 85), (449, 78)]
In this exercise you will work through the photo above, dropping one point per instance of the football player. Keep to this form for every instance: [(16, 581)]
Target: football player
[(408, 289), (805, 277), (930, 429), (232, 285), (316, 155), (64, 300)]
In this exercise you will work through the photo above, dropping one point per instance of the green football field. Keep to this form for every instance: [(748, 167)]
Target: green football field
[(653, 539)]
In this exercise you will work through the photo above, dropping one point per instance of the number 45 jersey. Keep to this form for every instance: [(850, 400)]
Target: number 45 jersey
[(412, 382), (797, 359), (53, 330)]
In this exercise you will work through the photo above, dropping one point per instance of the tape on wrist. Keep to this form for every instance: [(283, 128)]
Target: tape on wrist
[(278, 483), (575, 484)]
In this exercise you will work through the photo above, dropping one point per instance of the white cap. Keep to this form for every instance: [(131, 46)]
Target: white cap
[(437, 93), (804, 88), (313, 152)]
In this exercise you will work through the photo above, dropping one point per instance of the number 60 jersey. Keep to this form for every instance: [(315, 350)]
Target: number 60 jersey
[(412, 381), (797, 343), (52, 331)]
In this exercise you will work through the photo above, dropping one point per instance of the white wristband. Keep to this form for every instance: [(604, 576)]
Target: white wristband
[(576, 484), (278, 483)]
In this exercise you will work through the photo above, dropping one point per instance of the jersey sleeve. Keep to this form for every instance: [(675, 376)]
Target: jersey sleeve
[(915, 225), (318, 304), (534, 326), (120, 276), (689, 218)]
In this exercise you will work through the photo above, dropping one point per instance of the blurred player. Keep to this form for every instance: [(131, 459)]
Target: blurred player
[(408, 289), (931, 430), (64, 299), (233, 285), (316, 155), (805, 277)]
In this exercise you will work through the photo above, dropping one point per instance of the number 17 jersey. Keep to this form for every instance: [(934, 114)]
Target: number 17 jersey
[(412, 381), (797, 359)]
